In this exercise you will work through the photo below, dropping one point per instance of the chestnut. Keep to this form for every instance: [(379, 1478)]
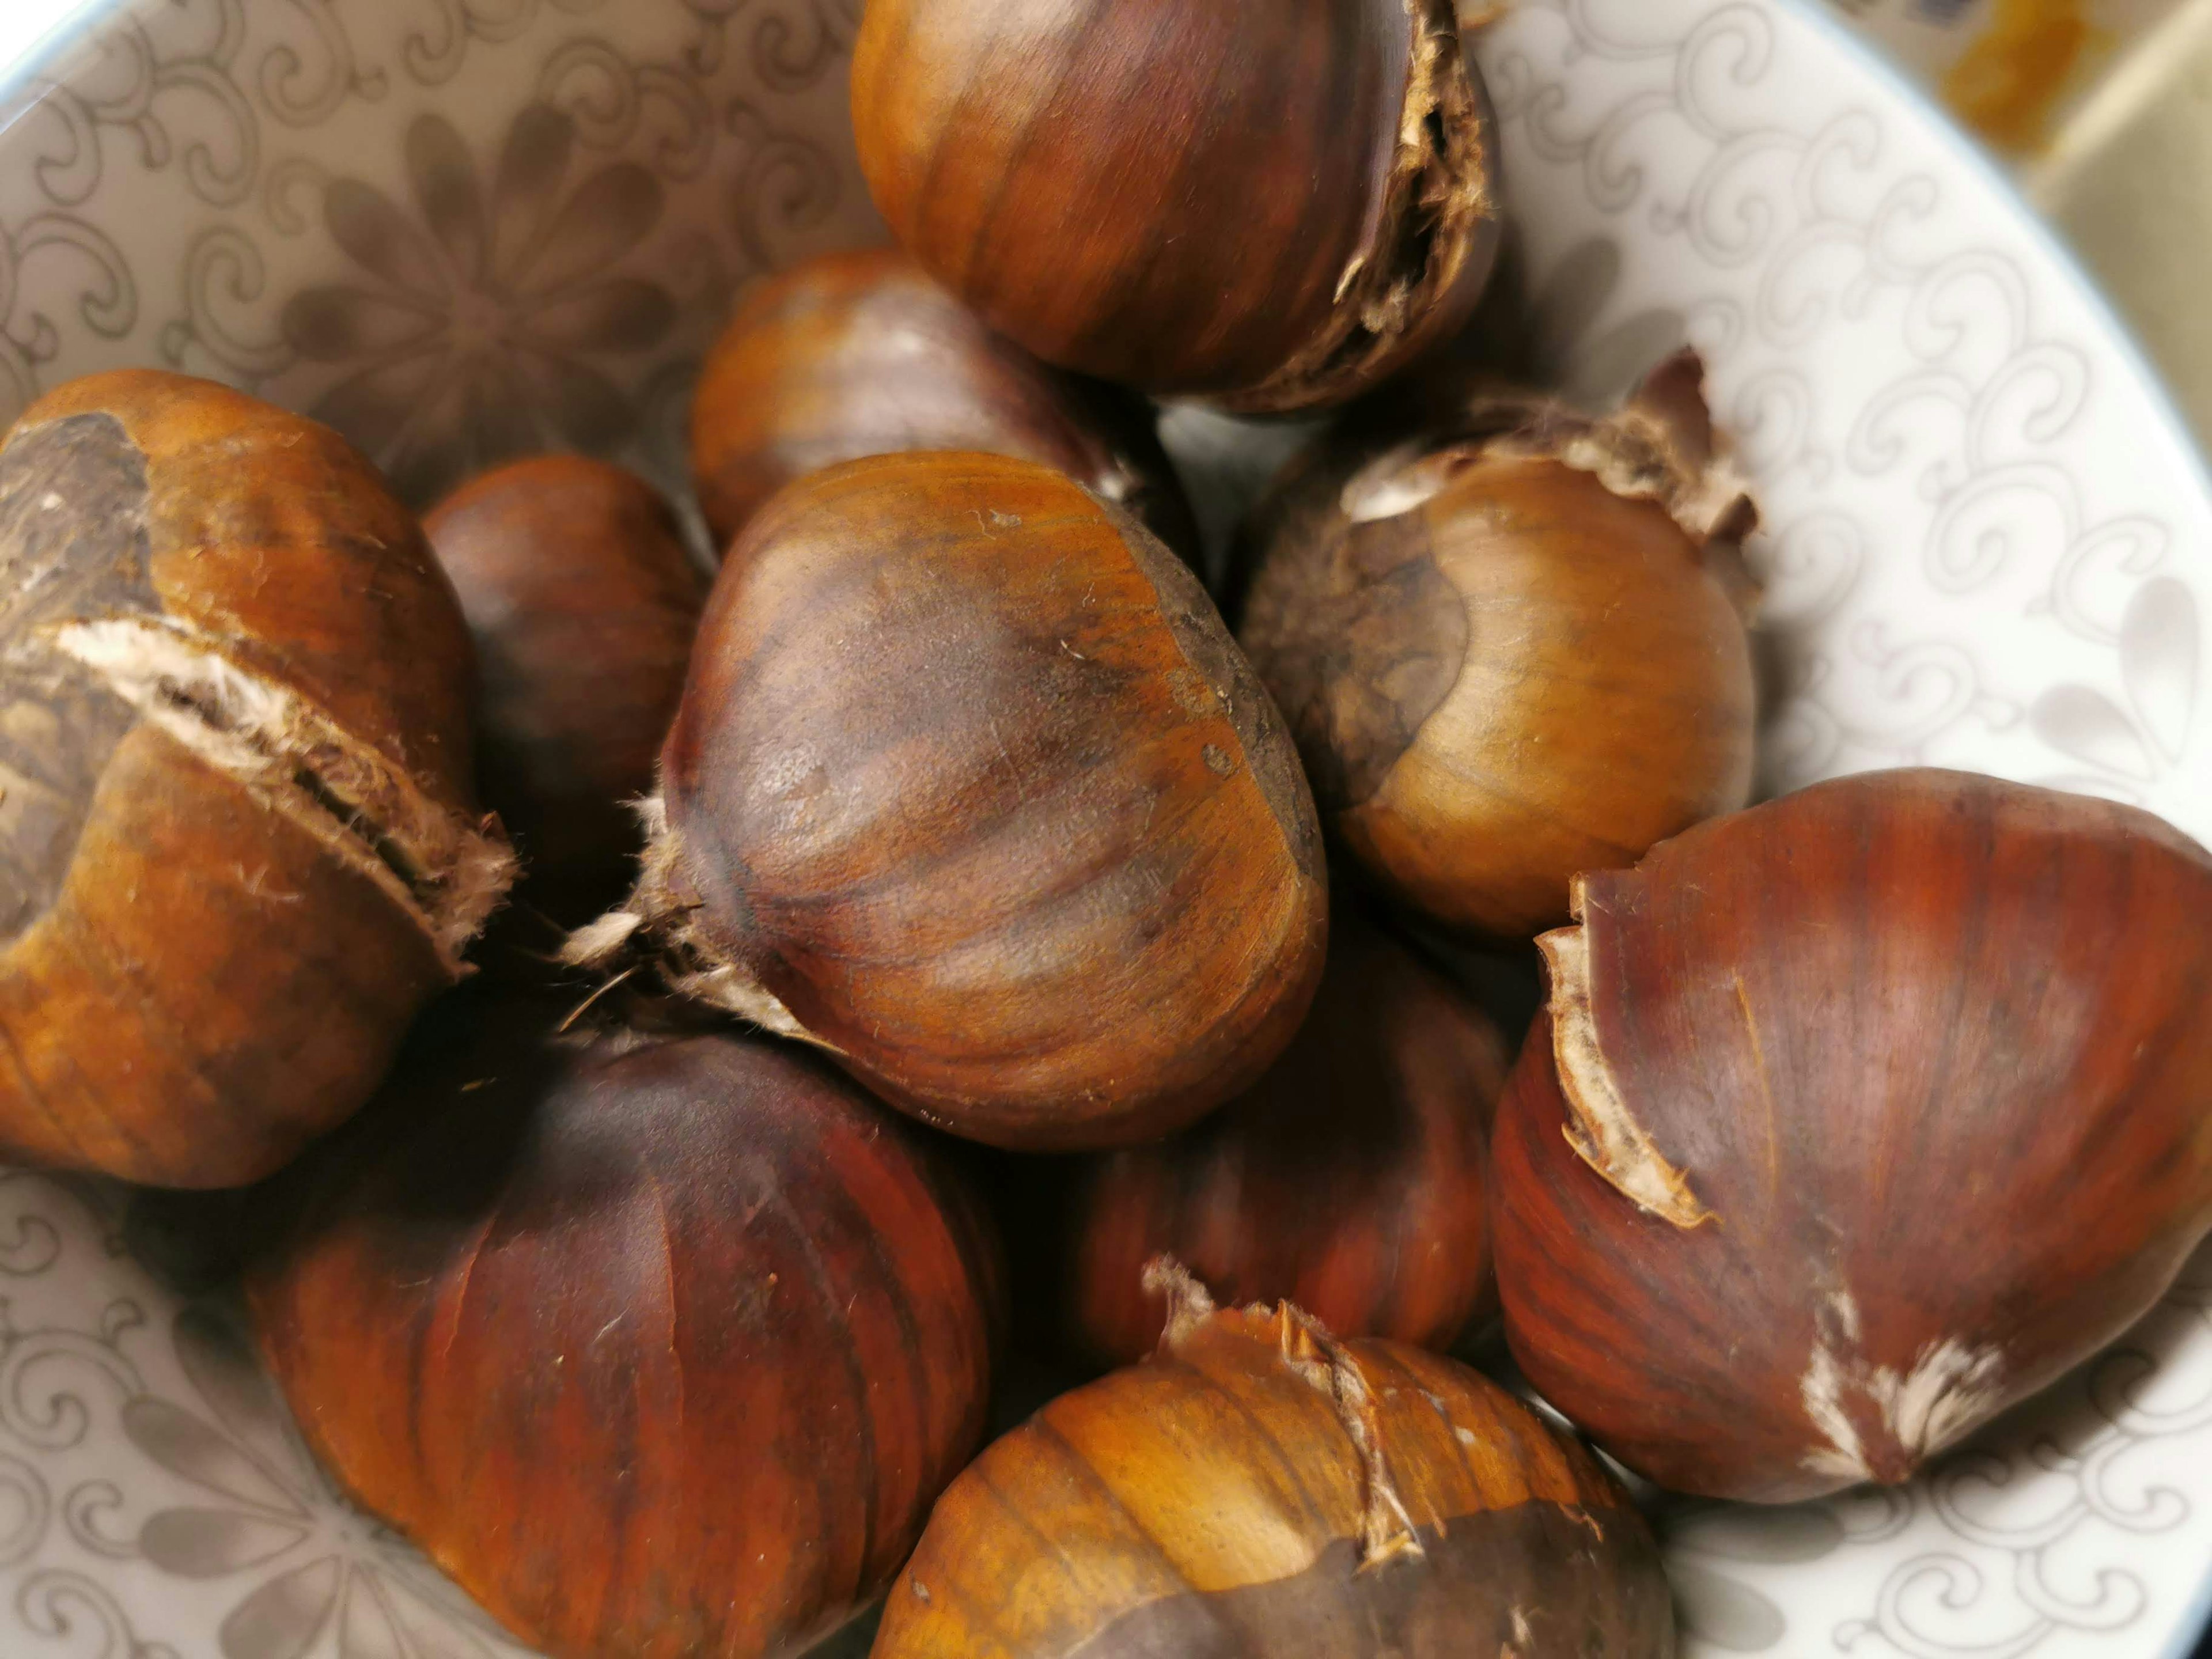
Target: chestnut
[(1350, 1179), (970, 787), (582, 600), (238, 846), (1270, 206), (656, 1345), (859, 354), (1514, 649), (1854, 1120), (1263, 1488)]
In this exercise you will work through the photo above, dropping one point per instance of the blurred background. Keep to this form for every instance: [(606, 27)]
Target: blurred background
[(2104, 107)]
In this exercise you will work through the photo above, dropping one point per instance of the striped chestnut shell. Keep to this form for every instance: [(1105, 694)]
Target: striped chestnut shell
[(1260, 1487), (1854, 1120), (657, 1345)]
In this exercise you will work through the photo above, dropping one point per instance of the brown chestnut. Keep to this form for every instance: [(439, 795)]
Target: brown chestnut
[(860, 353), (1270, 206), (1350, 1179), (1262, 1488), (1854, 1118), (970, 787), (1516, 648), (237, 849), (582, 599), (656, 1346)]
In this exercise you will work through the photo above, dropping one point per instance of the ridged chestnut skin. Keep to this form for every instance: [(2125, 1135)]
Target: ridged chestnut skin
[(582, 600), (970, 780), (1270, 206), (1259, 1488), (860, 352), (1514, 649), (661, 1349), (1351, 1179), (239, 848), (1857, 1118)]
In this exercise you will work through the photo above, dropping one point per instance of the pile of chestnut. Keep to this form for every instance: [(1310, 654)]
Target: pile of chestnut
[(955, 947)]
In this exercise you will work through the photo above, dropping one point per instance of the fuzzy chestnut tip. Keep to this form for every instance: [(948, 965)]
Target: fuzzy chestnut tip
[(1436, 240)]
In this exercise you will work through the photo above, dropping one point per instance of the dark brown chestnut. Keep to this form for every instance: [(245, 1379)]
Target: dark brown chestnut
[(238, 843), (657, 1347), (970, 787), (1514, 648), (1270, 206), (582, 600), (1350, 1179), (1263, 1488), (1854, 1120), (860, 354)]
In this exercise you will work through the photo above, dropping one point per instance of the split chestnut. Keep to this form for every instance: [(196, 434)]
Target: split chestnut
[(1856, 1119)]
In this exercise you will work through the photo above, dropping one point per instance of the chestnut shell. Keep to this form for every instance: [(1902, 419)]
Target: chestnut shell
[(659, 1349), (859, 354), (970, 787), (1857, 1118), (239, 848), (1350, 1180), (1512, 647), (1260, 1488), (582, 600), (1272, 206)]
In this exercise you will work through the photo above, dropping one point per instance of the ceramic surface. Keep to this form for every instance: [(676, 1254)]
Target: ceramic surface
[(460, 229)]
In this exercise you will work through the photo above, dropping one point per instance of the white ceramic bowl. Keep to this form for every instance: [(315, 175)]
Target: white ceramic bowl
[(457, 227)]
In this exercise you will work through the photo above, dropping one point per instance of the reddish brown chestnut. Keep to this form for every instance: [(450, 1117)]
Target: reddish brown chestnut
[(970, 787), (861, 354), (1262, 1488), (238, 847), (1515, 649), (657, 1347), (575, 579), (1272, 206), (1350, 1179), (1854, 1120)]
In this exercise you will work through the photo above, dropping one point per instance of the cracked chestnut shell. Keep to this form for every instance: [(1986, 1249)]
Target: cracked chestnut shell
[(970, 787), (582, 601), (238, 845), (1351, 1179), (1259, 1487), (1856, 1119), (656, 1346), (1514, 649), (1270, 206), (860, 354)]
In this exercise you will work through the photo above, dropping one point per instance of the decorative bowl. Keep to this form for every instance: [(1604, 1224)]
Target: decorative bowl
[(460, 229)]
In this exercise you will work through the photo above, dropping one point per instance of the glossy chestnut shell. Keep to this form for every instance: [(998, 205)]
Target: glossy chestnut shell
[(970, 787), (1351, 1179), (660, 1348), (1260, 1488), (1513, 649), (860, 354), (1270, 206), (238, 845), (582, 600), (1856, 1119)]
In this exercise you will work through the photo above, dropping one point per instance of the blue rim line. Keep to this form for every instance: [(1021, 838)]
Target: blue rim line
[(38, 55)]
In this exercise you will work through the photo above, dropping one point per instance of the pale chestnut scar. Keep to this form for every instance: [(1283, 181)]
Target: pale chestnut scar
[(1601, 1128), (439, 867)]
